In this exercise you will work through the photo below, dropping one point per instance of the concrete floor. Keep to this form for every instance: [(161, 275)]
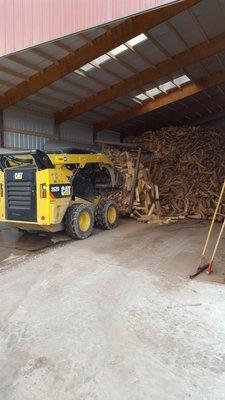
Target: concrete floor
[(14, 245), (114, 317)]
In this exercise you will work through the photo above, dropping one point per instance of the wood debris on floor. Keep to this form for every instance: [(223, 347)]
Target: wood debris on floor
[(188, 167)]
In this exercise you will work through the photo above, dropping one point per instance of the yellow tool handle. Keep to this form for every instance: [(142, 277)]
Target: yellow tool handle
[(218, 240), (213, 220)]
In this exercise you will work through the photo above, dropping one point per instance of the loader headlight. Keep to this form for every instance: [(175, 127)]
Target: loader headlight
[(43, 191)]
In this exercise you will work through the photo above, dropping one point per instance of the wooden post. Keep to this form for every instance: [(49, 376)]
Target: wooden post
[(1, 129), (57, 132), (135, 179), (94, 136)]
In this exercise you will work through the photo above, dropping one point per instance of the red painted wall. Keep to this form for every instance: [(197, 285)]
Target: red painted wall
[(25, 23)]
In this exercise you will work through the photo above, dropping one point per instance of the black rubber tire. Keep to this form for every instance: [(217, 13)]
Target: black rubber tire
[(71, 221), (101, 215)]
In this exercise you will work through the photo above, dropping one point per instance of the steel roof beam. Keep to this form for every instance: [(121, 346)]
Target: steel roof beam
[(151, 74), (163, 100), (109, 40)]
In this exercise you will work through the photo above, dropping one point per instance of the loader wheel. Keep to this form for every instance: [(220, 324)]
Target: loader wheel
[(79, 221), (106, 215)]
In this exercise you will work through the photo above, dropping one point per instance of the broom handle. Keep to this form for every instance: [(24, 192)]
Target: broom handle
[(213, 220), (218, 240)]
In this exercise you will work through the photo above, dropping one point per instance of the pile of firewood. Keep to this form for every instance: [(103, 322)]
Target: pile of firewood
[(136, 197), (188, 167)]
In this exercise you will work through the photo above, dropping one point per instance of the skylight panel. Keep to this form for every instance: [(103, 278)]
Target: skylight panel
[(137, 39), (102, 59), (142, 97), (153, 92), (165, 87), (87, 67), (118, 50), (181, 80)]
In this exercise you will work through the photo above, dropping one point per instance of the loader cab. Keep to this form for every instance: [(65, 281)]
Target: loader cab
[(37, 190)]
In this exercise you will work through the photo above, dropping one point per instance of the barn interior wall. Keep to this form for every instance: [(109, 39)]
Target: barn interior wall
[(108, 135), (31, 130), (76, 132), (26, 130)]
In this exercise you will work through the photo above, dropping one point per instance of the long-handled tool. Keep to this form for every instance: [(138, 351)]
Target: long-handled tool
[(209, 266)]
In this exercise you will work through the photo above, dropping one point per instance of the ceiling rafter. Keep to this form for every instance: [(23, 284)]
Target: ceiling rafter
[(208, 118), (166, 67), (198, 25), (86, 74), (46, 56), (137, 52), (100, 82), (7, 83), (85, 88), (172, 29), (52, 99), (63, 46), (90, 51), (181, 114), (162, 50), (25, 63), (11, 72), (125, 64), (203, 32), (78, 85), (43, 54), (159, 46), (175, 32), (59, 90), (220, 8), (40, 104), (112, 56), (164, 100)]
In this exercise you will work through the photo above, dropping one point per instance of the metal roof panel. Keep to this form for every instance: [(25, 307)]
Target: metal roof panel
[(187, 29), (134, 60), (149, 50), (210, 16), (167, 40)]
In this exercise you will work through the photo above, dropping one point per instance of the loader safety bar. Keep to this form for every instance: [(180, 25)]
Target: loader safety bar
[(40, 158)]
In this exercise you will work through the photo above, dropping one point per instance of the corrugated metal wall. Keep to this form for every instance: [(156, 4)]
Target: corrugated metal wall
[(36, 126), (110, 136), (31, 130), (78, 133), (25, 23)]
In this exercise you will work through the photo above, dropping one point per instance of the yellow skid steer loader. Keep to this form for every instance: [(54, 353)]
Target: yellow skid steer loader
[(55, 191)]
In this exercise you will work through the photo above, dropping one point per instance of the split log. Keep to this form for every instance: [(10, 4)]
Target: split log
[(137, 195), (188, 167)]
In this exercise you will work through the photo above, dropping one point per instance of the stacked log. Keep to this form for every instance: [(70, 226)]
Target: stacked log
[(188, 167), (143, 204)]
